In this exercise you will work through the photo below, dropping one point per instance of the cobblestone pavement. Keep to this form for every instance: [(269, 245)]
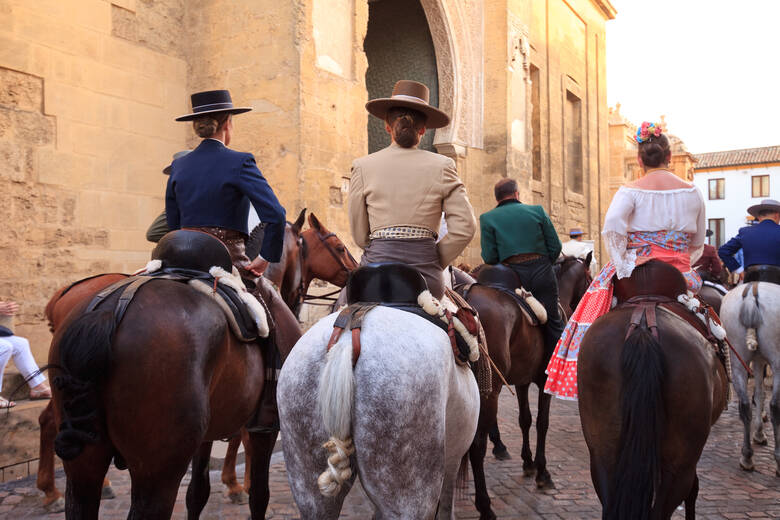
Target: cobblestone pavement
[(726, 491)]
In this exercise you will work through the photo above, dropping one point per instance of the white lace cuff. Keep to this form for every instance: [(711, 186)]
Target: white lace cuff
[(623, 259)]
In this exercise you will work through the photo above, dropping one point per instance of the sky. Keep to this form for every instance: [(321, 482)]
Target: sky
[(712, 67)]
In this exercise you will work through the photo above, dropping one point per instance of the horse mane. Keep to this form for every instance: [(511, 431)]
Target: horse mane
[(638, 470)]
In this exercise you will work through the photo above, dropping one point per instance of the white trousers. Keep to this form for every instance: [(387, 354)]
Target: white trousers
[(19, 349)]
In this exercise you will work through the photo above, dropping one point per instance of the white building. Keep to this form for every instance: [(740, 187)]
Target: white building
[(733, 180)]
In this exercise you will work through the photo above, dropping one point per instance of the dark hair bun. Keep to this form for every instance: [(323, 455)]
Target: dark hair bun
[(405, 123), (654, 151)]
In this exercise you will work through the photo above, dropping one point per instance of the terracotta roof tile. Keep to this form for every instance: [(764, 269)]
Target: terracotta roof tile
[(744, 157)]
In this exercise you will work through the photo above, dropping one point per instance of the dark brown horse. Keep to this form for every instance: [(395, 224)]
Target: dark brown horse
[(152, 392), (574, 278), (326, 259), (647, 403), (517, 349)]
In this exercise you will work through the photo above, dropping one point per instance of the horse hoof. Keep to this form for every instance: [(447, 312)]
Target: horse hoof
[(746, 466), (529, 470), (760, 442), (55, 506), (239, 498), (488, 516), (545, 483), (502, 454), (107, 493)]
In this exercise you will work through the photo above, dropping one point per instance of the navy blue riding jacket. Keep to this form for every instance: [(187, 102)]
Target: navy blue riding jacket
[(760, 244), (212, 186)]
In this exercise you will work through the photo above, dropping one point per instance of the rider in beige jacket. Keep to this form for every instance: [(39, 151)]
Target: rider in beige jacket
[(397, 195)]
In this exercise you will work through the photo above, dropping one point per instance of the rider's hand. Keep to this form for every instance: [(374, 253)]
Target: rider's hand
[(258, 266), (9, 308)]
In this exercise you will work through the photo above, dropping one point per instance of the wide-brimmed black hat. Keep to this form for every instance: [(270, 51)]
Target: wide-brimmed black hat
[(770, 204), (177, 155), (212, 102), (409, 94)]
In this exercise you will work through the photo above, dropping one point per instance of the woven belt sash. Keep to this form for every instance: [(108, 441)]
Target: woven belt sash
[(402, 232)]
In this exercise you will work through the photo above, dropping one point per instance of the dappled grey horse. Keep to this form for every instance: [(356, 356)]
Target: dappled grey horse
[(750, 315), (402, 419)]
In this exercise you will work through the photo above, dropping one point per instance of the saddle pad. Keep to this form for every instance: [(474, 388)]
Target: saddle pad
[(530, 316)]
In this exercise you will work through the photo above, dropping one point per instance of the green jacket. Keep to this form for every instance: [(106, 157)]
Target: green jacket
[(512, 228)]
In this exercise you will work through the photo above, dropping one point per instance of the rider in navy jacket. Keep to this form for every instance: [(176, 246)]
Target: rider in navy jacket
[(760, 242), (210, 188), (213, 186)]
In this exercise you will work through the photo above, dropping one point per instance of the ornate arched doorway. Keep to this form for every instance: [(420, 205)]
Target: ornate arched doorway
[(398, 45)]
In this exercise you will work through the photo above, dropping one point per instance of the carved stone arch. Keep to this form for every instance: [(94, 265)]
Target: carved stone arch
[(457, 33)]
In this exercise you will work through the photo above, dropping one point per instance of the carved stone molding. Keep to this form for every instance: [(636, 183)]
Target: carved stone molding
[(457, 33), (519, 48)]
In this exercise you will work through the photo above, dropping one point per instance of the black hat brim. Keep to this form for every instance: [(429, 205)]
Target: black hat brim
[(236, 110)]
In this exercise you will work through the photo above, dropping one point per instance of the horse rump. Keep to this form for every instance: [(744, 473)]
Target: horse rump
[(637, 472), (85, 358)]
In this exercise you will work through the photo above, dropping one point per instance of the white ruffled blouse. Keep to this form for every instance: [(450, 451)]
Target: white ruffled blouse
[(635, 209)]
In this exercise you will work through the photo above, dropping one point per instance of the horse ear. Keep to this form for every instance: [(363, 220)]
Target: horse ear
[(298, 224), (315, 223), (588, 259)]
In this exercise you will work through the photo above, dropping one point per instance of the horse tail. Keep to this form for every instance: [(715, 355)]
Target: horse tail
[(750, 315), (85, 359), (637, 473), (335, 399)]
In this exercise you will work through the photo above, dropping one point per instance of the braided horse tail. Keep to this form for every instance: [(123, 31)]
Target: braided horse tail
[(335, 400), (750, 315)]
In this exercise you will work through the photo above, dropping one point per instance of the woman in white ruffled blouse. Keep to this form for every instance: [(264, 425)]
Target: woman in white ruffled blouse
[(658, 216)]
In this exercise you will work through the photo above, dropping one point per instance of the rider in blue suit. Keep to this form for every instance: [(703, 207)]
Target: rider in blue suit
[(760, 244), (211, 188)]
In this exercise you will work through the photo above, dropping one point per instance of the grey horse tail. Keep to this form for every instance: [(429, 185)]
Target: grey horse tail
[(750, 315), (335, 400)]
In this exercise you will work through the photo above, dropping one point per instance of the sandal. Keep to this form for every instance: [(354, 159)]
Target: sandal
[(5, 403), (42, 391)]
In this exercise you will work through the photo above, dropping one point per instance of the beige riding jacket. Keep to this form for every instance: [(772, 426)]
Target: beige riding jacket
[(409, 187)]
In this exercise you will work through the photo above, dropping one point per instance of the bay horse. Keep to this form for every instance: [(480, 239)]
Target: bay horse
[(517, 349), (401, 419), (750, 320), (647, 403), (326, 258), (172, 365)]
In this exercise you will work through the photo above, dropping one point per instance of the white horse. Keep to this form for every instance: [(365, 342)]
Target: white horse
[(753, 328), (403, 419)]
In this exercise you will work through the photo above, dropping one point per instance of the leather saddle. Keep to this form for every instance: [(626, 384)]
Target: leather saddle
[(393, 285), (504, 279), (194, 250), (656, 283), (186, 255), (763, 273)]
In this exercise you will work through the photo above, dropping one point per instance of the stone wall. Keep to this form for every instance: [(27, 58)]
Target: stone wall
[(88, 92)]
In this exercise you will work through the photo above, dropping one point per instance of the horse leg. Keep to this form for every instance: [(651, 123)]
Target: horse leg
[(247, 460), (757, 425), (543, 479), (199, 488), (153, 497), (52, 501), (107, 493), (488, 411), (499, 448), (524, 419), (259, 451), (774, 408), (236, 492), (85, 475), (690, 502), (746, 415)]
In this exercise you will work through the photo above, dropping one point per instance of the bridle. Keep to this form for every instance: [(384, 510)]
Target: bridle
[(329, 298)]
